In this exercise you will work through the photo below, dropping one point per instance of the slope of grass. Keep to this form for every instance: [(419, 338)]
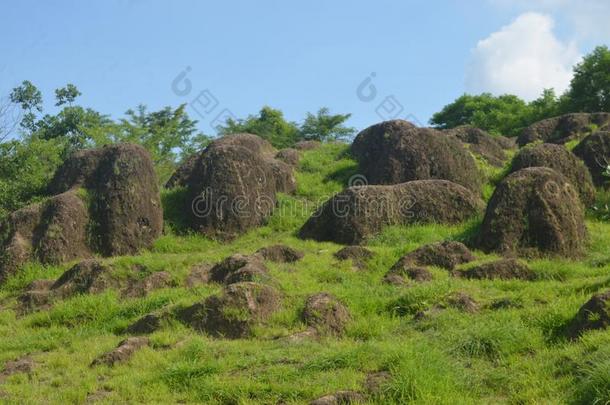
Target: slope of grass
[(512, 354)]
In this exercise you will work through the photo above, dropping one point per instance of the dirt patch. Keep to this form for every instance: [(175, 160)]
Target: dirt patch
[(22, 365)]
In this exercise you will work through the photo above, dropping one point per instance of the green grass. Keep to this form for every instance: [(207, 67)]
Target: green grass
[(511, 354)]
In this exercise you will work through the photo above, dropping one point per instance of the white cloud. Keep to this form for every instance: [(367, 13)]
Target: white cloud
[(522, 58), (588, 18)]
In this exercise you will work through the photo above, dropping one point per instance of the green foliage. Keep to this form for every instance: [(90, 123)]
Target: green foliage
[(503, 115), (168, 134), (25, 169), (269, 124), (66, 94), (325, 127), (507, 114), (590, 87)]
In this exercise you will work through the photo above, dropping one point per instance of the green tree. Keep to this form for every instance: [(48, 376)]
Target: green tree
[(325, 127), (590, 87), (503, 115), (269, 124), (66, 94), (168, 134), (26, 166), (30, 99)]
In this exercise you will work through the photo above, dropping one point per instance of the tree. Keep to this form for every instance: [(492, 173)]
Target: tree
[(66, 94), (590, 87), (9, 118), (503, 115), (168, 134), (30, 99), (325, 127), (269, 124)]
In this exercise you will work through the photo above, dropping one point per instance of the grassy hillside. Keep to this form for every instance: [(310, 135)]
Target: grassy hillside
[(512, 350)]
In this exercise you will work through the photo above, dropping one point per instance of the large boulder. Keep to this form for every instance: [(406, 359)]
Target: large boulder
[(234, 312), (564, 128), (594, 150), (357, 213), (558, 158), (490, 148), (534, 211), (396, 151), (232, 185), (105, 201), (123, 195)]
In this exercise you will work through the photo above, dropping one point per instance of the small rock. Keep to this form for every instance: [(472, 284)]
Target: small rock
[(404, 269), (446, 254), (504, 269), (340, 398), (234, 312), (140, 288), (123, 351), (239, 268), (593, 315), (289, 156), (280, 254), (307, 334), (357, 254), (325, 313), (463, 302), (375, 381), (145, 325), (86, 277)]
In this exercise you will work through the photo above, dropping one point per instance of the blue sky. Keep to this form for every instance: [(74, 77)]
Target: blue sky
[(296, 56)]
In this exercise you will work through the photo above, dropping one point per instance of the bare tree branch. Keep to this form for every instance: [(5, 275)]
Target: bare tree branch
[(10, 116)]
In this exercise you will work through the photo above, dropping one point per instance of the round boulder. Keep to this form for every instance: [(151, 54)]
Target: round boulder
[(447, 255), (594, 150), (564, 128), (593, 315), (490, 148), (232, 186), (396, 151), (534, 211), (558, 158), (358, 213)]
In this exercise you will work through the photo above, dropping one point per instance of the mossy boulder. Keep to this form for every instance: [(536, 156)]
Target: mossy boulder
[(232, 185), (326, 314), (535, 211), (357, 213), (491, 148), (396, 151), (564, 128), (594, 150), (593, 315), (558, 158)]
